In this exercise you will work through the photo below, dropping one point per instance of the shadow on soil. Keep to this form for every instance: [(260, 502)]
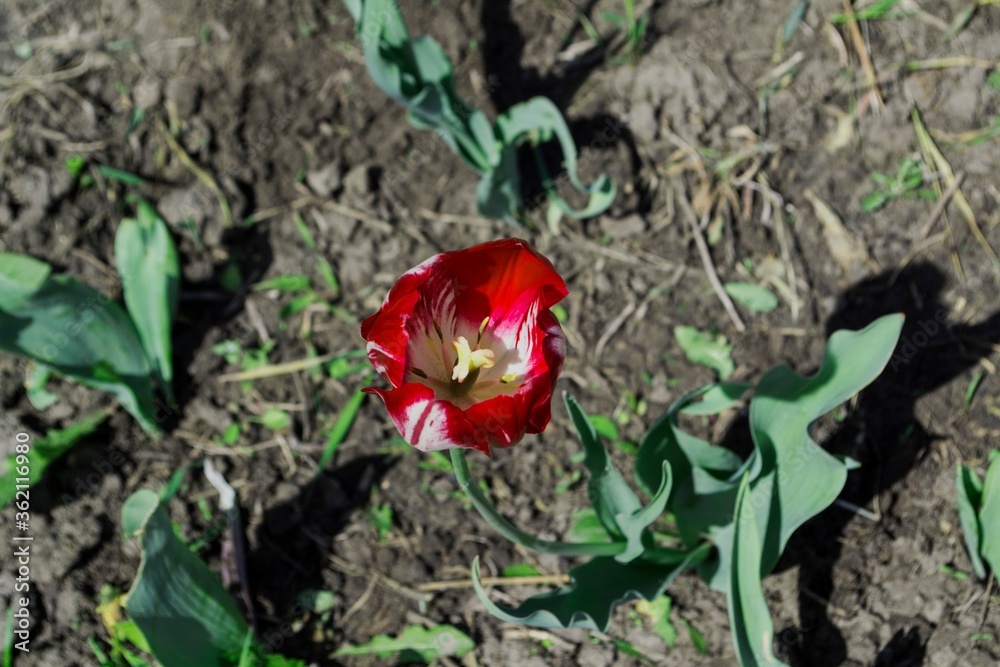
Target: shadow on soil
[(884, 434), (503, 51), (293, 546)]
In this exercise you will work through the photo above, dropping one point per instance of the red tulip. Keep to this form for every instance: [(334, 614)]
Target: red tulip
[(469, 347)]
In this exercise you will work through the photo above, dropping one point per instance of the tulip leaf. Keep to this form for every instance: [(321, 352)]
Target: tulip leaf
[(180, 606), (749, 617), (989, 515), (633, 526), (538, 120), (82, 335), (609, 493), (717, 398), (797, 479), (44, 451), (586, 527), (969, 490), (147, 262), (703, 475), (791, 478), (418, 73), (20, 277), (598, 587)]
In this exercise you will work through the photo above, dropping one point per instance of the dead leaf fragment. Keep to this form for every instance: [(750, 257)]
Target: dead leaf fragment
[(849, 253)]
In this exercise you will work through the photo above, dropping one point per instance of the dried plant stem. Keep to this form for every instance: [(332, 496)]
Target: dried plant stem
[(706, 260), (533, 580)]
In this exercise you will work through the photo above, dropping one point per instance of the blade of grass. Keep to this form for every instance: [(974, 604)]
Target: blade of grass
[(273, 370), (871, 79), (342, 426), (199, 173)]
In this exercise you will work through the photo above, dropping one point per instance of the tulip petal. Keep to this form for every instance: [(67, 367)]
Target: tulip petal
[(429, 423), (502, 279)]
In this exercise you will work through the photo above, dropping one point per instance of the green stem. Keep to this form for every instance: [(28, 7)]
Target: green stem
[(515, 534)]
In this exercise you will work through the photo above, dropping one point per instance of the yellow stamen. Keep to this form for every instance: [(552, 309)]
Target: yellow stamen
[(507, 379), (469, 360)]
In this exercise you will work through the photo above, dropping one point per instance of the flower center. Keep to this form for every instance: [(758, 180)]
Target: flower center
[(466, 369)]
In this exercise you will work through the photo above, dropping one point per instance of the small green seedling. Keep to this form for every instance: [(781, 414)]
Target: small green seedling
[(658, 613), (706, 349), (752, 297), (876, 11), (906, 184), (380, 517), (415, 644), (979, 514), (635, 29)]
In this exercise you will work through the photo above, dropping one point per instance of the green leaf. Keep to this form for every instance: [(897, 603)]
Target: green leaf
[(147, 262), (706, 349), (39, 397), (989, 514), (605, 427), (289, 283), (180, 606), (633, 525), (329, 277), (658, 613), (875, 201), (797, 479), (342, 426), (380, 517), (75, 165), (20, 277), (969, 490), (520, 570), (598, 587), (425, 644), (993, 80), (586, 527), (317, 601), (697, 639), (417, 73), (275, 419), (749, 617), (717, 398), (753, 297), (608, 492), (699, 469), (538, 120), (123, 177), (792, 478), (44, 451), (84, 336)]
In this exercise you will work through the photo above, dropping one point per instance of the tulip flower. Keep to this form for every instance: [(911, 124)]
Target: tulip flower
[(470, 347)]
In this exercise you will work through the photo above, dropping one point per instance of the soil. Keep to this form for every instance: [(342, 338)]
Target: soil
[(271, 102)]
